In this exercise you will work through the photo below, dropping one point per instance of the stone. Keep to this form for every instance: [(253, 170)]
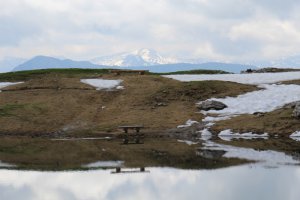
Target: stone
[(296, 112), (211, 105)]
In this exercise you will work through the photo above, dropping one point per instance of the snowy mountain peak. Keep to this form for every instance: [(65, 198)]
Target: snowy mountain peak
[(142, 57)]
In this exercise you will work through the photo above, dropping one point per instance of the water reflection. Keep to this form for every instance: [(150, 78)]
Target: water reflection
[(243, 182)]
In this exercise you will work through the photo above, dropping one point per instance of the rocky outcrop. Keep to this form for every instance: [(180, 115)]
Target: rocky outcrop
[(211, 105), (296, 112)]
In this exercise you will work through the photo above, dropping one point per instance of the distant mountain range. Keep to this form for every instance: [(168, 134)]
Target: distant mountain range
[(44, 62), (141, 59)]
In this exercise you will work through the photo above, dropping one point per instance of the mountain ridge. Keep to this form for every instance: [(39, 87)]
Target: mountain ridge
[(44, 62)]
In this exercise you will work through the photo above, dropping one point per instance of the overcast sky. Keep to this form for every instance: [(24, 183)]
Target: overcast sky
[(227, 30)]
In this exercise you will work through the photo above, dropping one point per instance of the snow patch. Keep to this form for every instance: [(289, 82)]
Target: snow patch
[(6, 165), (188, 142), (267, 100), (205, 134), (253, 79), (102, 84), (228, 135), (6, 84), (100, 164), (188, 123), (264, 157), (295, 136)]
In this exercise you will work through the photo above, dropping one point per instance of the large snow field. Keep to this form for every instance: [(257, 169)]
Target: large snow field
[(102, 84), (253, 79), (6, 84), (267, 100)]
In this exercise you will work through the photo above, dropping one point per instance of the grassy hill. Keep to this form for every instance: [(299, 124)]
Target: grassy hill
[(54, 101)]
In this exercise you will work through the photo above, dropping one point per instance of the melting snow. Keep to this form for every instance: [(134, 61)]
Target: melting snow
[(188, 142), (100, 164), (188, 123), (267, 100), (268, 157), (2, 164), (102, 84), (254, 79), (295, 136), (228, 135), (205, 134), (6, 84)]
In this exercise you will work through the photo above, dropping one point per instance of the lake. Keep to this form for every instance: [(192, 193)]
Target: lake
[(250, 181)]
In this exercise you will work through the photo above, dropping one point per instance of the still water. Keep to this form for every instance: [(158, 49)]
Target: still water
[(240, 182)]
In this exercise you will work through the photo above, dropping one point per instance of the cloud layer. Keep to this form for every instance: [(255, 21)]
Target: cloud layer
[(231, 30)]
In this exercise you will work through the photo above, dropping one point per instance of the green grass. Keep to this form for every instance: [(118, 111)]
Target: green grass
[(6, 110), (25, 75)]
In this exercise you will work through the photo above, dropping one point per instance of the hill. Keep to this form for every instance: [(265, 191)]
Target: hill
[(44, 62), (55, 102)]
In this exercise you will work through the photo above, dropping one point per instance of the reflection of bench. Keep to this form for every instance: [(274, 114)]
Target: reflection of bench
[(118, 72), (140, 170), (137, 128), (136, 136)]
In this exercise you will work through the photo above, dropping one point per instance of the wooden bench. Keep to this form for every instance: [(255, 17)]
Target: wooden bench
[(118, 72), (136, 136)]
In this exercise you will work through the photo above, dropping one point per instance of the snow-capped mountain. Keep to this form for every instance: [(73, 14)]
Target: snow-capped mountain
[(142, 57)]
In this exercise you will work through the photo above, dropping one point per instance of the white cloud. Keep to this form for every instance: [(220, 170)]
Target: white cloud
[(234, 30)]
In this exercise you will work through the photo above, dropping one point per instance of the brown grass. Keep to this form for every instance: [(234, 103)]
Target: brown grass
[(279, 122), (58, 103)]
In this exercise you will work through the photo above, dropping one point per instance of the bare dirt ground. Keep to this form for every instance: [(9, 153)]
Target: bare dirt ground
[(54, 104)]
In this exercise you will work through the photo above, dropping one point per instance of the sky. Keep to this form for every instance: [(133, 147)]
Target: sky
[(222, 30)]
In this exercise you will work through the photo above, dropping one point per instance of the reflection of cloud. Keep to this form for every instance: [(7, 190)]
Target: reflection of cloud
[(240, 182)]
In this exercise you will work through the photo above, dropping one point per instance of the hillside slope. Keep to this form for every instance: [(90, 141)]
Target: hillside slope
[(56, 103)]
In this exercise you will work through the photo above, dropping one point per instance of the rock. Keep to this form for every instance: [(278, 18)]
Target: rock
[(259, 114), (211, 105), (210, 154), (161, 104), (296, 112), (291, 105)]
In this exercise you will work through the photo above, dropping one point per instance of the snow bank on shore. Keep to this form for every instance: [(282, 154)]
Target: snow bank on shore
[(253, 79), (102, 84), (6, 84), (271, 98)]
